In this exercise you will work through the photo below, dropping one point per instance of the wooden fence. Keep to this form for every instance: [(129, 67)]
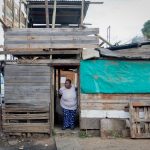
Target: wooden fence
[(140, 119)]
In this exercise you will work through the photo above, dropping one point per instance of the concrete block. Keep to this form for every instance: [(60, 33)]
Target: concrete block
[(112, 127)]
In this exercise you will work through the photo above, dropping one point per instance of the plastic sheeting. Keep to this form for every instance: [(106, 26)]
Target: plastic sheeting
[(114, 76)]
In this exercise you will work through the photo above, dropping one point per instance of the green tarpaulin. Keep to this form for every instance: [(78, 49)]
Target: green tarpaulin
[(115, 76)]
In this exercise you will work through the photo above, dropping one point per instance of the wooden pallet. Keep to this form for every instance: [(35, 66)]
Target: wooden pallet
[(140, 119), (25, 119)]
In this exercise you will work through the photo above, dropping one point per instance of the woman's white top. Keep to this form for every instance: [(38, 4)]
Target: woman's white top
[(68, 98)]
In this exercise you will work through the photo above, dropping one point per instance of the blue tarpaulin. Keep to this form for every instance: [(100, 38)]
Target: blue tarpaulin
[(115, 76)]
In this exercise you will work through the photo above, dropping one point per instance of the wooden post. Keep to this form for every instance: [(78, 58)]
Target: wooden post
[(51, 101), (27, 13), (82, 13), (55, 82), (13, 12), (59, 76), (54, 14), (47, 13), (78, 93), (5, 3), (20, 13)]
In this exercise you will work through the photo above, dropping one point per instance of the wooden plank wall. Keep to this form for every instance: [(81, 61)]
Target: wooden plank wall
[(12, 15), (97, 106), (27, 98), (29, 84), (45, 38)]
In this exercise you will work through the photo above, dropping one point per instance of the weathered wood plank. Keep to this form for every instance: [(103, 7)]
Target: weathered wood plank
[(102, 106), (52, 31), (58, 6), (26, 116), (25, 73), (38, 45), (26, 127), (27, 84), (30, 84), (59, 62), (132, 53), (115, 97), (30, 101), (46, 39), (27, 68), (27, 108), (41, 52), (33, 79), (21, 88), (29, 39), (28, 98), (142, 103), (104, 114)]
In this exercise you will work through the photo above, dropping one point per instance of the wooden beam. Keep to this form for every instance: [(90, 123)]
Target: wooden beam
[(47, 13), (27, 13), (51, 100), (55, 52), (4, 24), (56, 38), (54, 14), (52, 32), (13, 13), (82, 12), (20, 13), (5, 3), (96, 2), (63, 62), (58, 6), (101, 38), (54, 62), (26, 127)]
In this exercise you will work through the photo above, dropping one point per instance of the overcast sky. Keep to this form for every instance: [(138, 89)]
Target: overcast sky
[(126, 18)]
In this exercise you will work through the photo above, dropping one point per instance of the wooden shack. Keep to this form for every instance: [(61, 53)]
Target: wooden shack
[(30, 82), (115, 92), (33, 78)]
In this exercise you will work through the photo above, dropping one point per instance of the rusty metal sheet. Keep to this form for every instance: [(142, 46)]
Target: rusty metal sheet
[(132, 53)]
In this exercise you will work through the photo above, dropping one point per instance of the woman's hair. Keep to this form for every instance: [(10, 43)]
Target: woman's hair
[(68, 80)]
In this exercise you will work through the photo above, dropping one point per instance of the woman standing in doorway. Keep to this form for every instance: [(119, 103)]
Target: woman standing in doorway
[(68, 103)]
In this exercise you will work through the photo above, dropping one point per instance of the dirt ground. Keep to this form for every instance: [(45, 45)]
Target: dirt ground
[(114, 144), (35, 143), (88, 143)]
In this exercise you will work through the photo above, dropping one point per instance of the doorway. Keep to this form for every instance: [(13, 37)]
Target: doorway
[(61, 73)]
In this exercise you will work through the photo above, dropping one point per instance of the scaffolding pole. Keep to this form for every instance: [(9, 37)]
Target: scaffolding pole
[(47, 13), (54, 14)]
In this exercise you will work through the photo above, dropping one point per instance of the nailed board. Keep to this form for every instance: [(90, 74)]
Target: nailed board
[(95, 107), (10, 14), (29, 84), (140, 119), (26, 118), (58, 38)]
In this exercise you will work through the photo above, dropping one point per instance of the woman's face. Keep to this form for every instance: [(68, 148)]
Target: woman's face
[(67, 85)]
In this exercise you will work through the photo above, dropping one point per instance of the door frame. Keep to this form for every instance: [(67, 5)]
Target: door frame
[(52, 90)]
